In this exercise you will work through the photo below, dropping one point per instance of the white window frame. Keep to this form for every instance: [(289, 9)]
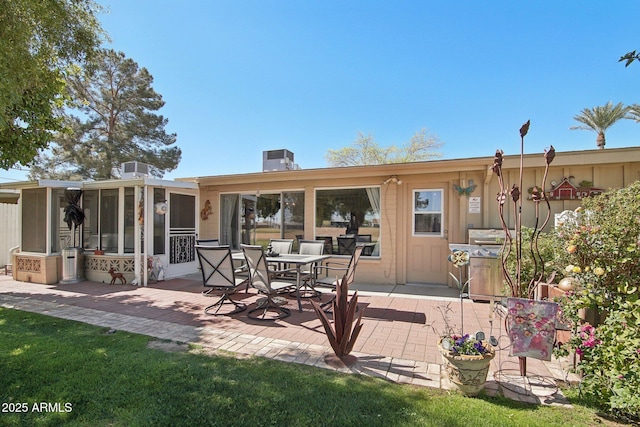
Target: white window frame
[(428, 211)]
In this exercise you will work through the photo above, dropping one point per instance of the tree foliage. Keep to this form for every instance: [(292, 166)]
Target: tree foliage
[(366, 151), (629, 57), (599, 119), (113, 122), (40, 38)]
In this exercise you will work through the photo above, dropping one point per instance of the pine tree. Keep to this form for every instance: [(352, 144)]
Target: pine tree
[(114, 121)]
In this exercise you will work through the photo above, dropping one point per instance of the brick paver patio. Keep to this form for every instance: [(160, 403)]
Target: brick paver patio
[(397, 342)]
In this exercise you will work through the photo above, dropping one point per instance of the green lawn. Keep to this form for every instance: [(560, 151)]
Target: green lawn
[(67, 373)]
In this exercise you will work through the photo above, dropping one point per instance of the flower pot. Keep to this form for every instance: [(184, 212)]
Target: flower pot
[(467, 373)]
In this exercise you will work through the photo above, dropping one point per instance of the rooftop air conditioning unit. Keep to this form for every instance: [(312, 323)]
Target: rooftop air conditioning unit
[(277, 160), (134, 170)]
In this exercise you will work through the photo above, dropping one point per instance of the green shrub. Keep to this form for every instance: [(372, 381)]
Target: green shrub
[(535, 261)]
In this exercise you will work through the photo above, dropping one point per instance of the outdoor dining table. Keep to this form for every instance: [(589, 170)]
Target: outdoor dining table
[(295, 260)]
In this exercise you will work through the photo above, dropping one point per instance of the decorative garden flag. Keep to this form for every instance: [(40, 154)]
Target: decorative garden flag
[(532, 327)]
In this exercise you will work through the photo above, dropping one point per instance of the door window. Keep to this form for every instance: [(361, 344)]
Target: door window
[(427, 212)]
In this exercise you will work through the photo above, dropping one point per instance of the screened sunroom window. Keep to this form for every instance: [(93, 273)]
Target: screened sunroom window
[(34, 220)]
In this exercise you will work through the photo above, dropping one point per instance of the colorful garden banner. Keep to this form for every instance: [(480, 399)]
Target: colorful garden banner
[(532, 327)]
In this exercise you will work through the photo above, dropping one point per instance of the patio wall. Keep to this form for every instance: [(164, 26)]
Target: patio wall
[(96, 267), (37, 268)]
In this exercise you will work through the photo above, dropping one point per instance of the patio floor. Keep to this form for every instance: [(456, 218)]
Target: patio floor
[(397, 342)]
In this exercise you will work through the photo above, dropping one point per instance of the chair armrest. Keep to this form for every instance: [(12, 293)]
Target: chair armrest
[(327, 268)]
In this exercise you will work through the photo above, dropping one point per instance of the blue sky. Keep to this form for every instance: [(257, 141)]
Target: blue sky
[(239, 77)]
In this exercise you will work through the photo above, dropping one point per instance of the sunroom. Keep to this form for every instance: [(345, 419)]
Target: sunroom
[(142, 227)]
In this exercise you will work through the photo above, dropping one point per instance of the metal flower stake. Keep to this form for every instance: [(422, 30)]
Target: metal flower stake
[(516, 287), (460, 259)]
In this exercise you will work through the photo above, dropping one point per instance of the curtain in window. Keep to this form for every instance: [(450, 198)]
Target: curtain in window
[(374, 199), (228, 219)]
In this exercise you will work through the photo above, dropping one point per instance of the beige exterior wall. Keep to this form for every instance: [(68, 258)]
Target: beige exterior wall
[(610, 168)]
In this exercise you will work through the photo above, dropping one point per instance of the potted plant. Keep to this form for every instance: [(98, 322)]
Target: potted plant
[(466, 357)]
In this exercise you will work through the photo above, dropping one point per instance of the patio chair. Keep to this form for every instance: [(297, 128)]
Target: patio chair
[(309, 247), (331, 280), (346, 245), (281, 246), (208, 242), (218, 274), (260, 277), (328, 244)]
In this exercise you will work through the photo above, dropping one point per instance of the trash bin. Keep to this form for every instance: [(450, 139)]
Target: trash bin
[(72, 265)]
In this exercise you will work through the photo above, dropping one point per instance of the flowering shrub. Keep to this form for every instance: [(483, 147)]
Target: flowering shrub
[(601, 251), (586, 341)]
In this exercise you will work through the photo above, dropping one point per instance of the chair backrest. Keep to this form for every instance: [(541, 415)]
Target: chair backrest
[(217, 266), (346, 245), (328, 243), (208, 242), (311, 247), (282, 246), (353, 262), (257, 264), (365, 238)]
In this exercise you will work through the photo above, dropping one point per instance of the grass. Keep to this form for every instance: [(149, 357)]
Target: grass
[(88, 376)]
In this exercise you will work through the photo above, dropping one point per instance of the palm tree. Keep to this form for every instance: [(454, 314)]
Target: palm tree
[(634, 112), (599, 119)]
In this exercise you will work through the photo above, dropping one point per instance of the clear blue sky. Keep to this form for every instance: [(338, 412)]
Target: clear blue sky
[(239, 77)]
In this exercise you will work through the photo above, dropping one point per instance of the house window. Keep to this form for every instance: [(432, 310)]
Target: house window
[(34, 220), (427, 212), (256, 219), (229, 220), (346, 217)]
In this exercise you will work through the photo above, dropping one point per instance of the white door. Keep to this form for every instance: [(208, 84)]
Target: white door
[(428, 247), (182, 219)]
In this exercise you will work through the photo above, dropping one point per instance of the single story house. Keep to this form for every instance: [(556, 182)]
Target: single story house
[(406, 214)]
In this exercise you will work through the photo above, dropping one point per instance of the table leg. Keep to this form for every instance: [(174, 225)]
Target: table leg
[(298, 287)]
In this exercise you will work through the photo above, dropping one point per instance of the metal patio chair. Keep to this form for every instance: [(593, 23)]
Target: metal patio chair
[(208, 242), (309, 247), (261, 279), (341, 270), (218, 274), (346, 245)]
